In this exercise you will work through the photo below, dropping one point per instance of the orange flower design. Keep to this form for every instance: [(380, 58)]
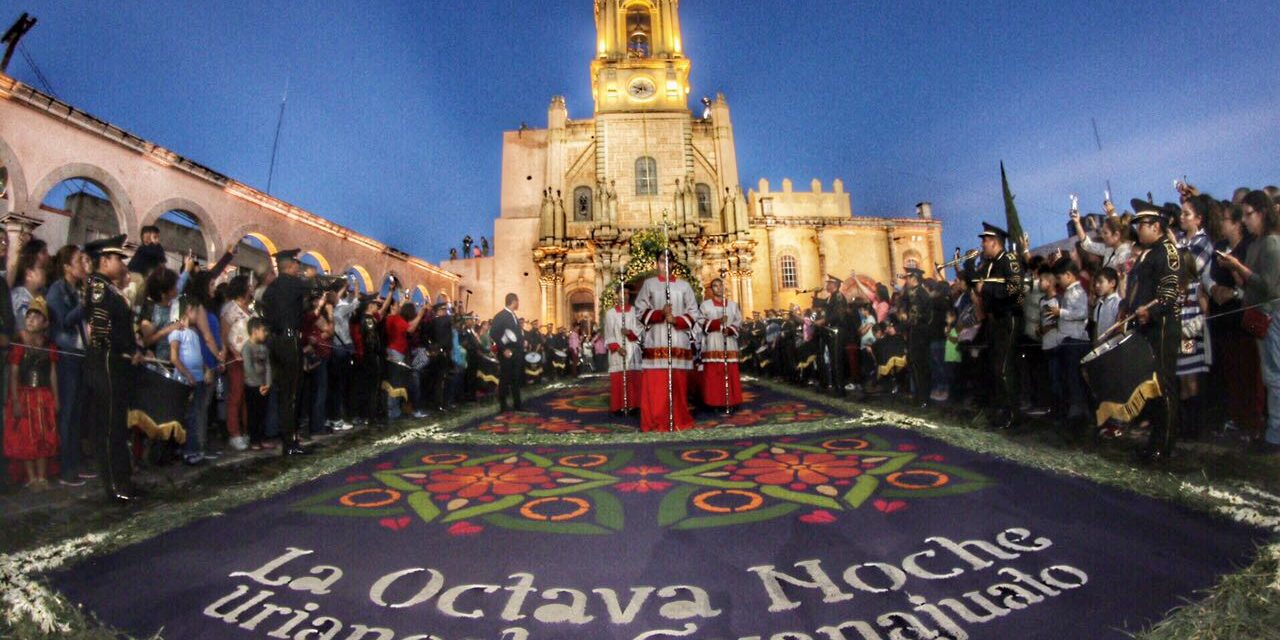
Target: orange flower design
[(498, 479), (809, 468)]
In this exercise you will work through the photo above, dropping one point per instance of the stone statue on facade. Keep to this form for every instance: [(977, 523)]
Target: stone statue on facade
[(558, 209), (611, 199)]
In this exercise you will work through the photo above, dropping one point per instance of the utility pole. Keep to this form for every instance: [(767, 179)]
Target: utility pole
[(13, 36)]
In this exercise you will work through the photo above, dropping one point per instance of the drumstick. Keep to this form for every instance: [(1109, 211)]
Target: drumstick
[(1125, 321)]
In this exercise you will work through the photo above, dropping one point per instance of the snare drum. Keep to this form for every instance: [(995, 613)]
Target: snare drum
[(1121, 373)]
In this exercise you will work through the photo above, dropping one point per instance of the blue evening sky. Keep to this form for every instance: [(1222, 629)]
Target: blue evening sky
[(396, 108)]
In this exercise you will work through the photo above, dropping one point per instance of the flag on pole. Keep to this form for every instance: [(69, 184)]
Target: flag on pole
[(1011, 213)]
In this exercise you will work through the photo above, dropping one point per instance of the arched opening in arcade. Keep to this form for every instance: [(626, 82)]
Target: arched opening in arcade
[(253, 254), (360, 277), (75, 211), (419, 295), (312, 260), (181, 235)]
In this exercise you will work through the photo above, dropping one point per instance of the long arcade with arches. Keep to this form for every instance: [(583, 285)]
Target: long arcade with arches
[(69, 177)]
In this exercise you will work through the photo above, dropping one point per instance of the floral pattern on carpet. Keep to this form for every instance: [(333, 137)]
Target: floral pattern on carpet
[(596, 491)]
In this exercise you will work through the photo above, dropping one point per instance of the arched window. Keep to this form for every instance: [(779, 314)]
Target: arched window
[(787, 269), (704, 200), (646, 176), (639, 32), (582, 200)]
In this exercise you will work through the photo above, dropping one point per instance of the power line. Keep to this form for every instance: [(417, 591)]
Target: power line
[(271, 170), (40, 77)]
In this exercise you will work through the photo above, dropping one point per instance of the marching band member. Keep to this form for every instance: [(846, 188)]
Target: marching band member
[(999, 288), (1154, 301), (722, 322)]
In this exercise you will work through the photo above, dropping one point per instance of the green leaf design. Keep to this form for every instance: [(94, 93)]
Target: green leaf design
[(669, 458), (323, 504), (484, 459), (759, 515), (805, 448), (392, 479), (423, 505), (973, 481), (573, 488), (750, 452), (506, 521), (863, 488), (500, 504), (617, 459), (538, 460), (897, 460), (781, 493), (608, 509), (675, 505)]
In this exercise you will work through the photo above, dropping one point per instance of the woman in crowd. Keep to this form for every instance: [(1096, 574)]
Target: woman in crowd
[(1115, 247), (158, 315), (1260, 278), (31, 279), (32, 251), (1193, 362), (234, 318), (66, 319), (203, 290), (317, 337), (1235, 373)]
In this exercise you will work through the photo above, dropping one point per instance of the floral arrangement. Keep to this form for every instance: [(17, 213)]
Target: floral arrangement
[(646, 245)]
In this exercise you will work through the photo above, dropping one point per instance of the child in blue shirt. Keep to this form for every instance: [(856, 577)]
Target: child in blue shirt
[(185, 352)]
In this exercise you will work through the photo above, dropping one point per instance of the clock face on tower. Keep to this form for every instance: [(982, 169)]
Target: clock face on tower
[(642, 89)]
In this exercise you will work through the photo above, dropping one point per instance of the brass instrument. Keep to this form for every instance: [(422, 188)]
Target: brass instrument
[(941, 267)]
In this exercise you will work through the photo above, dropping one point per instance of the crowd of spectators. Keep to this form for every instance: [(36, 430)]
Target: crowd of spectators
[(858, 336), (367, 359)]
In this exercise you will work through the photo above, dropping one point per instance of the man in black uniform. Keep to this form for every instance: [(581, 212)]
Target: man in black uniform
[(373, 357), (439, 335), (508, 344), (283, 303), (999, 286), (920, 309), (470, 344), (1154, 301), (113, 353), (832, 336)]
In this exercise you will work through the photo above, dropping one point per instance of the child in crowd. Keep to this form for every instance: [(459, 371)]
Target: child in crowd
[(951, 357), (257, 382), (149, 255), (30, 425), (1073, 318), (1107, 307), (188, 361), (1049, 336), (1105, 312)]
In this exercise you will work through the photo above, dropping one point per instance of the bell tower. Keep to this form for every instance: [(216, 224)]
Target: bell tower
[(639, 63)]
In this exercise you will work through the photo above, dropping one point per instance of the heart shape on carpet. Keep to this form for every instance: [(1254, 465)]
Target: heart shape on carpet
[(465, 528), (821, 516), (887, 506), (395, 524)]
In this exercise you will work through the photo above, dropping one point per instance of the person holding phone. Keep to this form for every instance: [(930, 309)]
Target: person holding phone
[(1260, 279)]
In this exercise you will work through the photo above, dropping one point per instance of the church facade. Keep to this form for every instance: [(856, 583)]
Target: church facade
[(574, 192)]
